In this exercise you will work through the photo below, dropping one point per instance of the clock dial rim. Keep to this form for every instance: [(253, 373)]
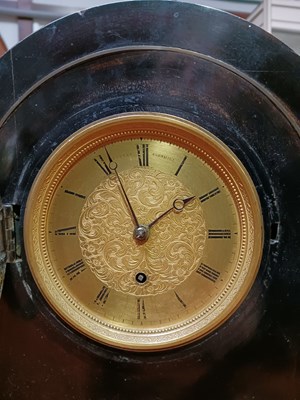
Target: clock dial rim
[(187, 337)]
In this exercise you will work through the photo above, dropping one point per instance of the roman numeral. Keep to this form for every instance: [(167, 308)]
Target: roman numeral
[(181, 165), (71, 231), (143, 155), (75, 269), (180, 300), (219, 234), (81, 196), (209, 195), (102, 164), (140, 309), (208, 272), (102, 296)]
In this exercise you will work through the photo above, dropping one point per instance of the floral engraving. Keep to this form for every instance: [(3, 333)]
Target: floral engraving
[(175, 245)]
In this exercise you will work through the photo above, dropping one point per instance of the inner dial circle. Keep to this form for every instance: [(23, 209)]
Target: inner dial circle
[(175, 245)]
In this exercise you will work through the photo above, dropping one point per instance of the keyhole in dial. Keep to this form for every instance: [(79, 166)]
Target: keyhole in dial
[(141, 278)]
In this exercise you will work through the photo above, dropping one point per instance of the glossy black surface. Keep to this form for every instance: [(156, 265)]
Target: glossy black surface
[(207, 67)]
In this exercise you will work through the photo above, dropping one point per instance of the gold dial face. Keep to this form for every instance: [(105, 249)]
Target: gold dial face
[(143, 231)]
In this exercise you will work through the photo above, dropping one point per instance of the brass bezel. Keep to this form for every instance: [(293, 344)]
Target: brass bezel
[(182, 133)]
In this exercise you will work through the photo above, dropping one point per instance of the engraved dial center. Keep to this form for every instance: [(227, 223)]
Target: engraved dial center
[(168, 251)]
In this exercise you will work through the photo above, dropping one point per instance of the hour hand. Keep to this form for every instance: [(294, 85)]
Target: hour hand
[(178, 205), (141, 232)]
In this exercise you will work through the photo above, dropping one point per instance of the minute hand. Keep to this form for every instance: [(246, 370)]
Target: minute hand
[(178, 205), (113, 166)]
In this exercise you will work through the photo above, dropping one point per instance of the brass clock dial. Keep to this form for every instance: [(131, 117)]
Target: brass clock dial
[(143, 231)]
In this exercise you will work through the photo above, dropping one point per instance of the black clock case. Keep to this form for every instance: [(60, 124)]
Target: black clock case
[(205, 66)]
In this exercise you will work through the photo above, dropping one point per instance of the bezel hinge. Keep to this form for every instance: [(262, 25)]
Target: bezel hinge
[(7, 233), (8, 247)]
